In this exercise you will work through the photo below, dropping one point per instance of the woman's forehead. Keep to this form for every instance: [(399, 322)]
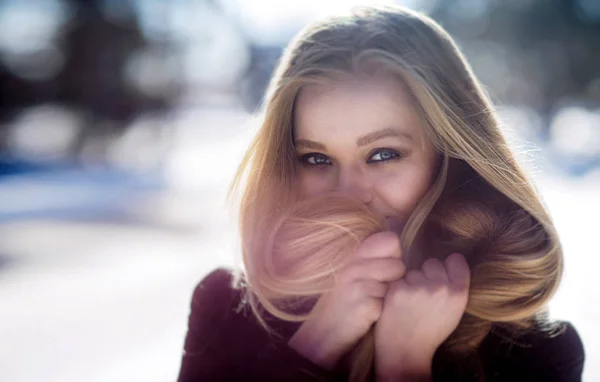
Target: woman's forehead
[(357, 104)]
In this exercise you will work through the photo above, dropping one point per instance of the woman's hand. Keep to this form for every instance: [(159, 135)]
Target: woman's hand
[(420, 312), (345, 314)]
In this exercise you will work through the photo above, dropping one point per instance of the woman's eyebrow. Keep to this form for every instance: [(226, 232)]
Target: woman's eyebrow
[(308, 144), (380, 134), (362, 141)]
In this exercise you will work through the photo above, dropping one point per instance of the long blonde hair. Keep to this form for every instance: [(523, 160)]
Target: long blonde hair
[(481, 203)]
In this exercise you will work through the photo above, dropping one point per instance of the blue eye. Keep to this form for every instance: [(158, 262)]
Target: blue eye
[(384, 155), (379, 156), (315, 159)]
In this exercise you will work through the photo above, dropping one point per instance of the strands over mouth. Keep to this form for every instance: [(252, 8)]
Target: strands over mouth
[(311, 241)]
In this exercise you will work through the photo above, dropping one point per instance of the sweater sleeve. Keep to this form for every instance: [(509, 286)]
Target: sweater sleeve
[(226, 343), (536, 357), (561, 358)]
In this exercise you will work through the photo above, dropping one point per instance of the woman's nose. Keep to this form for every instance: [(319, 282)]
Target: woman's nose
[(354, 182)]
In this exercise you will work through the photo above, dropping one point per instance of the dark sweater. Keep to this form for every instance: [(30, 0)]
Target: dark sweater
[(225, 342)]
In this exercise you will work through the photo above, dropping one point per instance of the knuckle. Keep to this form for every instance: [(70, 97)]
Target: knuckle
[(371, 308), (390, 239), (437, 286), (431, 264), (437, 290), (393, 290), (390, 243), (381, 242), (348, 274), (396, 288), (393, 262), (399, 264)]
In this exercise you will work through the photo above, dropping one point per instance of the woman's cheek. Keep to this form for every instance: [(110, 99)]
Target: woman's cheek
[(313, 184), (403, 190)]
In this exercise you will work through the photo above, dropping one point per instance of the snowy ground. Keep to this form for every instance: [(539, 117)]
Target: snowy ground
[(108, 300)]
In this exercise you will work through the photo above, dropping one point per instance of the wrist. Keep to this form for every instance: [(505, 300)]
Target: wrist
[(310, 344), (405, 378), (414, 367)]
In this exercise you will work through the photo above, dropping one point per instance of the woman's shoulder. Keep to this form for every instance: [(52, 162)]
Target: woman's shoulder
[(552, 339), (551, 353), (218, 281), (222, 290), (219, 314), (225, 341)]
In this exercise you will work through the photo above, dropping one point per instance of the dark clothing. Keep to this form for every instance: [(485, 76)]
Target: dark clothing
[(225, 342)]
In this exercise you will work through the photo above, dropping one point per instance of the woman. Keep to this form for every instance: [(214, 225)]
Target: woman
[(377, 133)]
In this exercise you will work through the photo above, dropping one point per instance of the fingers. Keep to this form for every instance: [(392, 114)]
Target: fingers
[(415, 277), (372, 288), (455, 270), (381, 244), (433, 269), (458, 270), (378, 269)]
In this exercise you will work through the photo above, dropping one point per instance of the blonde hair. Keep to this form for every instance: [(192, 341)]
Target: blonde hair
[(481, 203)]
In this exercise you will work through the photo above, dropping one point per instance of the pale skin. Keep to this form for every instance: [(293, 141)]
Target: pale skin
[(361, 136)]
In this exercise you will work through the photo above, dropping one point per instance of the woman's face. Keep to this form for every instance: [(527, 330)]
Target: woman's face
[(362, 137)]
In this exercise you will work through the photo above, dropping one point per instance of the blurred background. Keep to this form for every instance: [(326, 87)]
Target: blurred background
[(122, 121)]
